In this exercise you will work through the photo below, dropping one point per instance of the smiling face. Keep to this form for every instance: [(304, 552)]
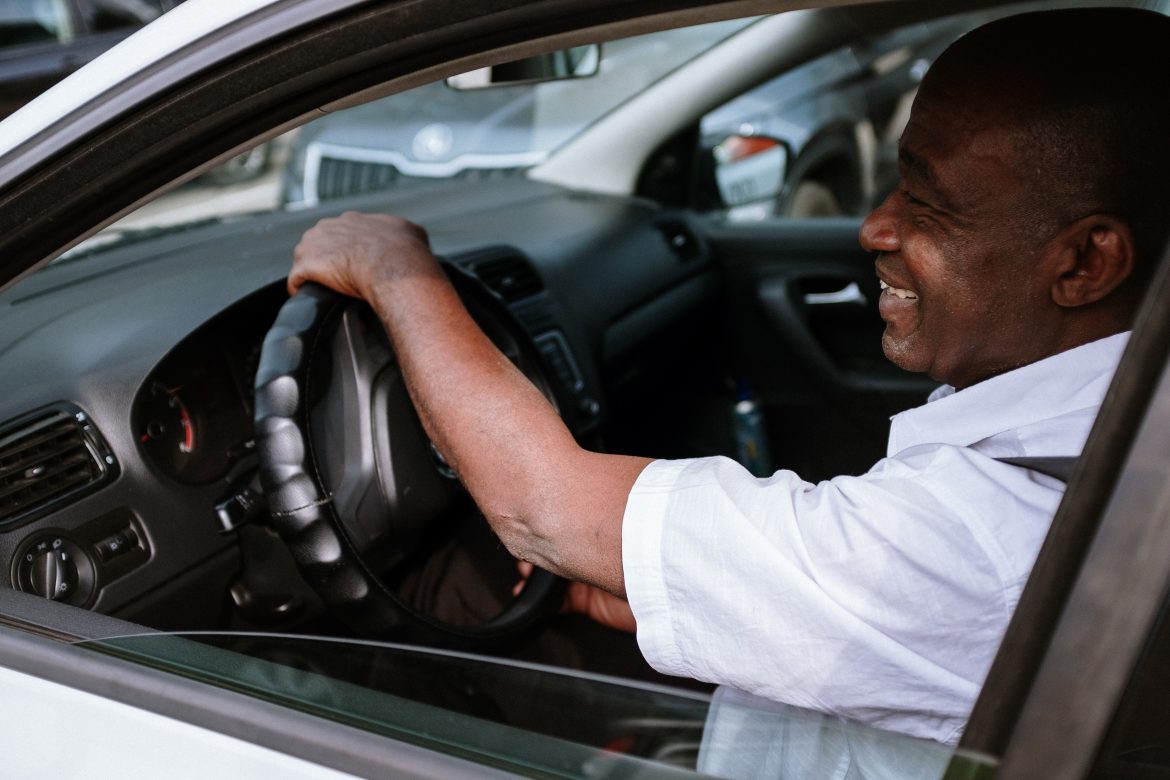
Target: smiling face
[(965, 291)]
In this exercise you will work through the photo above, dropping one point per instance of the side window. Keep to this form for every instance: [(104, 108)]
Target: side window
[(29, 22), (821, 140), (107, 15)]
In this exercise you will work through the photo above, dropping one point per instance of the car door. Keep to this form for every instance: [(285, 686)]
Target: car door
[(103, 23), (806, 340)]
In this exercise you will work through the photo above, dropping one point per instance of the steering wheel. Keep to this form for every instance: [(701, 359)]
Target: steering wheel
[(351, 479)]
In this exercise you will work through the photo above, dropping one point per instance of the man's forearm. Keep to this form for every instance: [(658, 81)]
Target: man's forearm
[(551, 502)]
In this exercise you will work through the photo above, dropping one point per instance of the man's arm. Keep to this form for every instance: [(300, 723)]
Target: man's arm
[(551, 502)]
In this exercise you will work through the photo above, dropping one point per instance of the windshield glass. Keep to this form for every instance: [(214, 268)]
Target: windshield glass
[(433, 132), (528, 718), (436, 131)]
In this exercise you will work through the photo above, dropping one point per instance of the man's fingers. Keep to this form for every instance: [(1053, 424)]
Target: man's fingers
[(605, 608), (349, 252), (525, 569)]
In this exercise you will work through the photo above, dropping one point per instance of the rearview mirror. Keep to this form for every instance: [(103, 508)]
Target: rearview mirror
[(749, 169), (576, 63)]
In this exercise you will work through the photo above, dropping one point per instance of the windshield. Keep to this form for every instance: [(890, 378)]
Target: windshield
[(436, 131), (526, 718), (433, 132)]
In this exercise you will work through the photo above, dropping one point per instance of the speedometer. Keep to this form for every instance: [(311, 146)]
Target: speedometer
[(191, 416), (166, 430)]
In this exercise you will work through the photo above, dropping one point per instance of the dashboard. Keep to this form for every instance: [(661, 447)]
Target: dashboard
[(145, 355)]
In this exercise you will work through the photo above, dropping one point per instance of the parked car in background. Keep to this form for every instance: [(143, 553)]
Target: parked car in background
[(838, 119), (43, 41), (441, 131)]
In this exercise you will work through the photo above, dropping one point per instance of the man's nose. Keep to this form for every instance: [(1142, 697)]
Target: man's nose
[(879, 230)]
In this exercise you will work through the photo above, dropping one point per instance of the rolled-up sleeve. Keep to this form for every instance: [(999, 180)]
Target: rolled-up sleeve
[(879, 598)]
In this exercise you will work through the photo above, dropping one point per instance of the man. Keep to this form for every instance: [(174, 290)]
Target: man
[(1013, 255)]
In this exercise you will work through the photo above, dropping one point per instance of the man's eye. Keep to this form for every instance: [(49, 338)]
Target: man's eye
[(913, 200)]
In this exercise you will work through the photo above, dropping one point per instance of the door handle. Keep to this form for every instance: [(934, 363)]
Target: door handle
[(849, 294)]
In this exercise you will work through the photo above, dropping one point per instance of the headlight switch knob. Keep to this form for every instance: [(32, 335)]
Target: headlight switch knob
[(55, 568), (53, 574)]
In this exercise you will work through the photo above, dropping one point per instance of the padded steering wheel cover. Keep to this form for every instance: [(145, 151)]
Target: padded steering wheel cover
[(305, 517)]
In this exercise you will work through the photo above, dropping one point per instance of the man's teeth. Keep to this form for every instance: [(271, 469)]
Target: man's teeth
[(897, 291)]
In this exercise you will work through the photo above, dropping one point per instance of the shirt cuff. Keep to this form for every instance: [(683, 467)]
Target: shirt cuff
[(642, 528)]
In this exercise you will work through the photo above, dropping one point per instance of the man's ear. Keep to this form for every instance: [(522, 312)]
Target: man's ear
[(1094, 256)]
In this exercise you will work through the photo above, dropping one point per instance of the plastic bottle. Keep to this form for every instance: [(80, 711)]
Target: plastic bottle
[(751, 441)]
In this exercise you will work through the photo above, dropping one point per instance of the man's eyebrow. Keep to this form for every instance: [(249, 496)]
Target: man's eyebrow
[(921, 168), (918, 165)]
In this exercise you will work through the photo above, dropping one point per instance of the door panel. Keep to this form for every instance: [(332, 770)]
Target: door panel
[(806, 335)]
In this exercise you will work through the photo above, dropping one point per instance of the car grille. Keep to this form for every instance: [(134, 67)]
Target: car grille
[(338, 178)]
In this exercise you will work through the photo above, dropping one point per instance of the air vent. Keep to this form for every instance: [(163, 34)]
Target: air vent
[(512, 277), (48, 458)]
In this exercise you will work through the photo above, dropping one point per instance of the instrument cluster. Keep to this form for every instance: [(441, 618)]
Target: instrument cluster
[(192, 417)]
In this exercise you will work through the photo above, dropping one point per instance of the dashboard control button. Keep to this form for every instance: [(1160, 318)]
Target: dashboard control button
[(56, 568), (589, 407), (53, 574), (112, 546), (117, 544)]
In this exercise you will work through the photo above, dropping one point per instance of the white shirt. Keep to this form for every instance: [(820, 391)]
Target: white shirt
[(880, 598)]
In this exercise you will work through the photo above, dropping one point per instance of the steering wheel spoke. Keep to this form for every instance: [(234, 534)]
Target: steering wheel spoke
[(371, 453)]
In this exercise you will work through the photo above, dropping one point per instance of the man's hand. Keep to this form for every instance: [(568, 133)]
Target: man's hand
[(354, 253), (582, 599)]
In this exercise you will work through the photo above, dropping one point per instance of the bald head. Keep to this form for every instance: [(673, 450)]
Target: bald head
[(1084, 92)]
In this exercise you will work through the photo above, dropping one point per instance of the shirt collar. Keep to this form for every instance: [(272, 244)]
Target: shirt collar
[(1066, 382)]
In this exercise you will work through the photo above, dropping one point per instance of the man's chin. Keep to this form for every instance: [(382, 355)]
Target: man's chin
[(902, 353)]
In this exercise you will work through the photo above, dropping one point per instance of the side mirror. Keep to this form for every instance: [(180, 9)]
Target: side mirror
[(576, 63), (749, 169)]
